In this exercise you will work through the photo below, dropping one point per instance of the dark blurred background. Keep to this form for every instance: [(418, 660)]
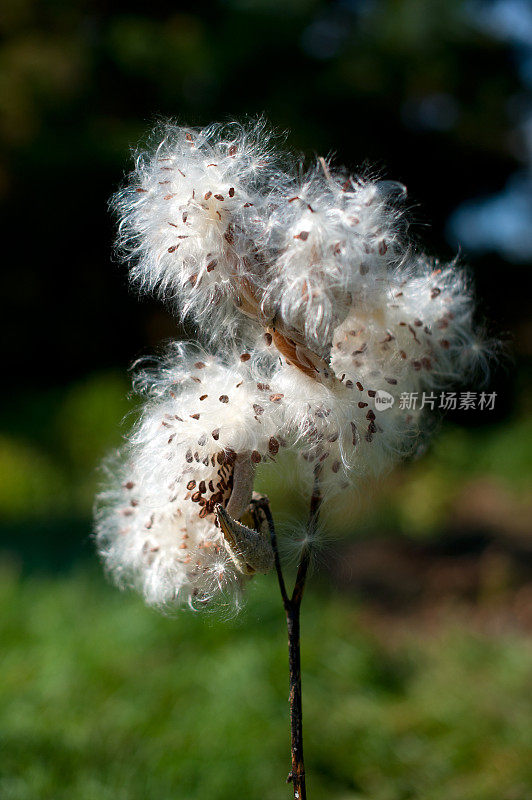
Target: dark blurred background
[(436, 94)]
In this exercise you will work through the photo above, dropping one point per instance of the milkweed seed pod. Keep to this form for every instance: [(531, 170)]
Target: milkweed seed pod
[(313, 304)]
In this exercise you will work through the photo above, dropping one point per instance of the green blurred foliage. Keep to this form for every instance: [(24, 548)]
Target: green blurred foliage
[(103, 698), (48, 463)]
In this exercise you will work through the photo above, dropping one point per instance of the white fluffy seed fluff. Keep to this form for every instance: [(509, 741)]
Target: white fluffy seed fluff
[(311, 300)]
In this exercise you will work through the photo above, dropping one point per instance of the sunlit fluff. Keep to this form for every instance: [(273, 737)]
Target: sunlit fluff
[(311, 300)]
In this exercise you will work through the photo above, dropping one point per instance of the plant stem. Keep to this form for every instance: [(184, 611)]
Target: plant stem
[(292, 607)]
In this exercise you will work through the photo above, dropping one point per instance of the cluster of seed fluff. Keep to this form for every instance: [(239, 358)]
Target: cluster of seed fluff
[(188, 218), (332, 240), (312, 301)]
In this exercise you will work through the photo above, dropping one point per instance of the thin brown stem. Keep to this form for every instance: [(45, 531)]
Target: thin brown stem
[(273, 537), (292, 608)]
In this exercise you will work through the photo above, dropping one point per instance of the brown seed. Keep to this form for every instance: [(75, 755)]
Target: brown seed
[(232, 150), (268, 338), (202, 488), (391, 381), (195, 416), (273, 445), (199, 364), (173, 248), (333, 437), (245, 357), (371, 392), (258, 409), (203, 513), (223, 398), (218, 197), (303, 235), (360, 387), (211, 265), (362, 405), (256, 457), (434, 292), (141, 190), (370, 414), (231, 192), (354, 432), (275, 398), (204, 396), (216, 434), (349, 384), (196, 497), (336, 466), (188, 457), (129, 485), (208, 195), (191, 485)]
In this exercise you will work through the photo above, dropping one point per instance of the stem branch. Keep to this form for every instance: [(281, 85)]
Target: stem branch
[(292, 607)]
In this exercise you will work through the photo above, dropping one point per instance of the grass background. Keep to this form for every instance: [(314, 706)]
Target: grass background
[(104, 698)]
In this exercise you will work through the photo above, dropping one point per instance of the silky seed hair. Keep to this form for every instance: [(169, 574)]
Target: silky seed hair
[(310, 300)]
